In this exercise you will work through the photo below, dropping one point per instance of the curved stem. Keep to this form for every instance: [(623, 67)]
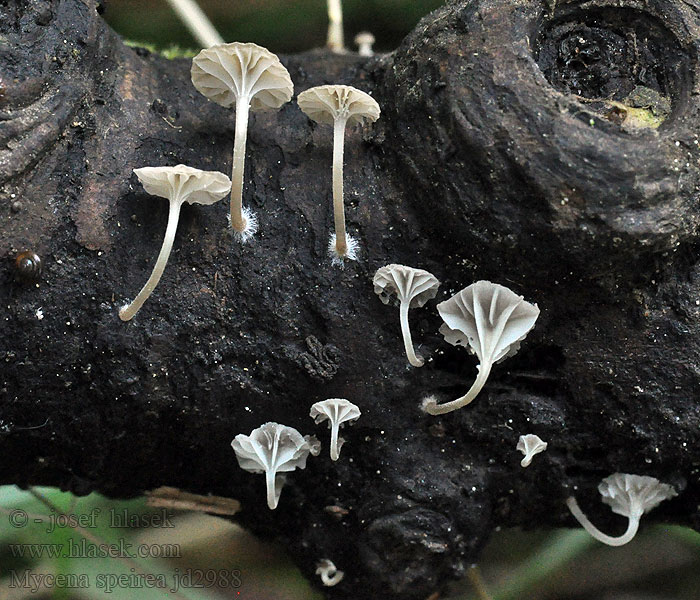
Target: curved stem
[(440, 409), (272, 498), (632, 526), (406, 332), (341, 242), (128, 312), (238, 221)]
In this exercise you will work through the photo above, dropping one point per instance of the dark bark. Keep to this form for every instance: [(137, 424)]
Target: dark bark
[(479, 168)]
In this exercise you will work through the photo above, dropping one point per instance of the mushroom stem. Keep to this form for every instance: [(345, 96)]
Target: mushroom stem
[(270, 477), (406, 332), (632, 525), (196, 22), (128, 312), (431, 407), (335, 454), (341, 242), (335, 39), (238, 221)]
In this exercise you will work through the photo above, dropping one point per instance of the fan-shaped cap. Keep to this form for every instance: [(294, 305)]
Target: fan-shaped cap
[(326, 103), (226, 73), (633, 495), (336, 410), (184, 183), (273, 448), (415, 286), (530, 445), (490, 318)]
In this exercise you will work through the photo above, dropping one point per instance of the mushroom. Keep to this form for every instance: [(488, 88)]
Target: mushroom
[(530, 445), (413, 287), (492, 320), (273, 448), (337, 411), (248, 77), (628, 495), (178, 184), (339, 105), (329, 573), (364, 41), (335, 41)]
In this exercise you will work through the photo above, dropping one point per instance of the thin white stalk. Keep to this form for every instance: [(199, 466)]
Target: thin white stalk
[(335, 39), (406, 332), (196, 22), (272, 499), (431, 407), (335, 454), (341, 242), (128, 312), (238, 221), (632, 526)]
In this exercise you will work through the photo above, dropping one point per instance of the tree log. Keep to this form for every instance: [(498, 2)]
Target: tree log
[(505, 151)]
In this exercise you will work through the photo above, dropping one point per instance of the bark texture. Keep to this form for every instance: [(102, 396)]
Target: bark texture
[(500, 155)]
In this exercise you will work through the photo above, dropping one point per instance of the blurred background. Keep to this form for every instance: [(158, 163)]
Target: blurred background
[(222, 560), (284, 26)]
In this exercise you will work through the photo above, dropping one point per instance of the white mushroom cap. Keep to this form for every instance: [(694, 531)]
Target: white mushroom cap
[(414, 286), (530, 445), (326, 103), (364, 37), (337, 411), (490, 318), (628, 495), (186, 183), (228, 72), (272, 448)]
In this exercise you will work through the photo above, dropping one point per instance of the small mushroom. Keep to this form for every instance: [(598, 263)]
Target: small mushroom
[(337, 411), (330, 575), (628, 495), (271, 449), (248, 77), (492, 320), (413, 287), (339, 105), (364, 41), (530, 445), (178, 184), (335, 41)]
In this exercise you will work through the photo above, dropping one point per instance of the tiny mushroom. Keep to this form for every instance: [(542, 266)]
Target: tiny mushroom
[(364, 41), (628, 495), (248, 77), (271, 449), (339, 105), (335, 41), (329, 573), (413, 288), (178, 184), (337, 411), (530, 445), (492, 320)]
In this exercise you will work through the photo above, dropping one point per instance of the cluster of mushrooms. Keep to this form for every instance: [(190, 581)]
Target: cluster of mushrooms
[(487, 318), (248, 77)]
